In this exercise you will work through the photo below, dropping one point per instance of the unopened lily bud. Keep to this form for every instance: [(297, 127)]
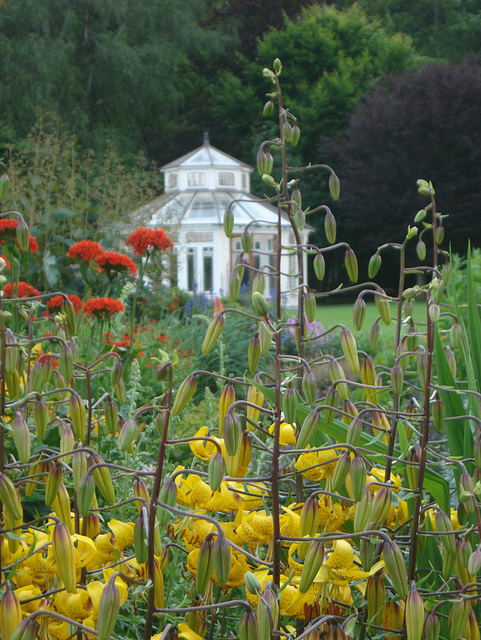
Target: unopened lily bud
[(466, 490), (61, 506), (477, 452), (11, 352), (116, 372), (127, 435), (309, 428), (259, 282), (412, 470), (23, 235), (141, 491), (354, 431), (253, 353), (444, 525), (374, 335), (67, 440), (159, 421), (412, 340), (119, 390), (350, 261), (439, 234), (184, 394), (358, 313), (434, 313), (414, 614), (21, 437), (79, 467), (65, 362), (383, 308), (331, 399), (330, 227), (85, 494), (205, 565), (286, 131), (265, 338), (234, 285), (312, 564), (252, 584), (256, 397), (393, 618), (227, 397), (10, 613), (295, 134), (357, 476), (64, 555), (141, 548), (336, 632), (421, 249), (232, 432), (93, 525), (472, 630), (54, 479), (109, 607), (381, 504), (374, 264), (289, 405), (229, 220), (336, 372), (309, 387), (397, 379), (451, 358), (456, 335), (111, 416), (221, 554), (102, 477), (246, 240), (27, 628), (262, 165), (376, 598), (422, 365), (319, 266), (396, 567), (349, 349), (215, 328), (260, 304), (245, 450), (334, 187), (77, 415), (340, 471), (300, 219), (216, 471), (474, 562), (309, 518), (36, 377), (310, 306), (249, 626), (167, 495), (432, 627), (367, 549), (458, 617)]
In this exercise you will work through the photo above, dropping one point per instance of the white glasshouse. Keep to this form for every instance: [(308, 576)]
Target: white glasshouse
[(198, 188)]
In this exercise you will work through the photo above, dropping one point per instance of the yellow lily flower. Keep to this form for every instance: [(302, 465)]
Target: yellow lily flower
[(321, 458), (25, 593), (287, 433), (331, 515), (238, 568), (248, 496), (186, 632), (256, 528), (204, 450), (197, 530), (377, 475), (397, 515)]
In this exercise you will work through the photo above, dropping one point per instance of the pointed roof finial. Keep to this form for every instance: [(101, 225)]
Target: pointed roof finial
[(206, 137)]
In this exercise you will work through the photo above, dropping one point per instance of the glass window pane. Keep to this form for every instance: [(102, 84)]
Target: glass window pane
[(191, 270), (208, 268)]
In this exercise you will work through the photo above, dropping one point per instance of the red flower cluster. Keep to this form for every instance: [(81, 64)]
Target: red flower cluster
[(24, 290), (123, 344), (113, 261), (144, 239), (55, 304), (8, 228), (85, 250), (103, 308)]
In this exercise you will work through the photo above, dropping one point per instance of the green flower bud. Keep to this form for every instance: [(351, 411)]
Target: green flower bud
[(216, 471), (23, 235), (269, 180), (215, 328), (309, 387), (127, 435), (432, 627), (336, 372), (374, 335), (221, 555), (21, 437), (456, 335), (309, 428), (312, 564), (54, 479), (330, 227), (205, 565), (109, 607), (374, 264), (358, 313), (350, 261), (232, 432), (458, 617), (396, 567), (319, 266), (268, 108), (64, 556), (265, 338), (376, 598), (77, 415), (331, 399), (381, 504), (253, 353), (228, 221), (414, 614), (363, 511), (340, 471), (309, 518), (251, 582), (111, 416), (349, 349), (334, 187), (439, 234), (260, 304), (383, 308), (451, 358), (289, 405), (85, 494), (184, 394), (310, 306), (397, 379), (358, 476)]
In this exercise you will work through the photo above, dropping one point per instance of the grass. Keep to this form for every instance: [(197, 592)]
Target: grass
[(329, 315)]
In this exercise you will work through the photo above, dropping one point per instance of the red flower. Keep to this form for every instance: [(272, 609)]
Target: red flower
[(144, 239), (113, 261), (175, 299), (163, 338), (55, 304), (8, 228), (85, 250), (24, 290), (102, 308)]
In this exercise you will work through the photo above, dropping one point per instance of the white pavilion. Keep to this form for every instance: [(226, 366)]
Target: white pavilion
[(199, 186)]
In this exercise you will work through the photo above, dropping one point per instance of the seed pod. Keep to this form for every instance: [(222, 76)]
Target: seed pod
[(376, 598), (67, 440), (54, 479), (309, 387), (141, 548), (334, 186), (116, 372), (350, 261), (336, 372), (340, 471), (309, 518), (205, 565), (319, 266), (27, 628), (61, 506), (111, 416), (265, 338), (221, 555), (374, 335), (215, 328), (310, 306), (458, 617), (432, 627), (85, 494), (349, 349), (414, 614), (229, 220), (109, 607), (309, 428), (64, 556), (260, 304), (396, 567), (374, 264), (10, 613), (331, 399), (253, 353), (358, 475), (312, 564), (381, 504), (232, 432), (289, 405), (216, 471), (184, 394), (456, 335), (79, 467), (383, 308), (21, 437), (102, 477), (259, 282), (77, 415), (397, 379), (330, 227)]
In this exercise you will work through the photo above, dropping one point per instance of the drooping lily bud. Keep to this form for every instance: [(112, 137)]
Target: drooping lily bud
[(111, 416), (141, 548), (102, 477), (336, 372), (205, 565), (349, 349), (458, 617), (309, 387), (216, 471), (319, 266), (331, 399), (260, 304), (414, 614), (85, 494), (396, 567), (312, 564), (334, 187), (340, 471), (215, 328), (253, 353), (10, 613), (309, 518), (64, 555), (21, 437), (376, 598), (350, 261), (54, 479), (358, 313), (358, 476), (309, 427), (184, 394), (77, 415), (374, 264), (383, 308), (109, 607), (229, 219), (221, 554)]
